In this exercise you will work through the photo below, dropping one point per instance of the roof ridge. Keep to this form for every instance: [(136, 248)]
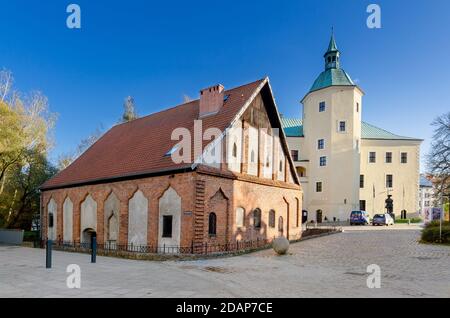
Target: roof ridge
[(183, 104)]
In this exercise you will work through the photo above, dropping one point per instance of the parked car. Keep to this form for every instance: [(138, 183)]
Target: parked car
[(359, 218), (382, 219)]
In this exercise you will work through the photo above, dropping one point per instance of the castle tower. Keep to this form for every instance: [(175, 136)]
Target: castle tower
[(332, 132)]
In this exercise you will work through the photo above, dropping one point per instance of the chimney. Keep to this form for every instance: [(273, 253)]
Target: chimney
[(211, 100)]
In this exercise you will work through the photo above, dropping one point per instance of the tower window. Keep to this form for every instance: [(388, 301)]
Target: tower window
[(361, 181), (321, 106), (323, 161), (334, 58), (320, 144), (357, 107), (318, 186), (342, 126)]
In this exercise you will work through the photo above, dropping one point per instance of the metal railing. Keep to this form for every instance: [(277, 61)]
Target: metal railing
[(205, 248)]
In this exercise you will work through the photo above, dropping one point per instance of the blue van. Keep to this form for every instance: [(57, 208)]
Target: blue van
[(359, 218)]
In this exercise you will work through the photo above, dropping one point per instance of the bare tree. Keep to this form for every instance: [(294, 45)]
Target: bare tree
[(66, 159), (6, 82), (129, 113), (439, 156)]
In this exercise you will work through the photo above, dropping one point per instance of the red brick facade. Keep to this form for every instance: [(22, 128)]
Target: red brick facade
[(201, 192)]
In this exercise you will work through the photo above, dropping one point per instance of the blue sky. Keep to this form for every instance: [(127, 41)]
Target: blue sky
[(159, 51)]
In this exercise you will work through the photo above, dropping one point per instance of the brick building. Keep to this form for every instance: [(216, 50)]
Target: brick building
[(128, 189)]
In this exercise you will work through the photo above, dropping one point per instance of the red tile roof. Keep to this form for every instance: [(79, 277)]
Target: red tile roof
[(139, 147)]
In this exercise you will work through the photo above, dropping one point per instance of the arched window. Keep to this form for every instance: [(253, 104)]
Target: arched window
[(257, 218), (212, 230), (272, 218), (234, 150), (280, 225)]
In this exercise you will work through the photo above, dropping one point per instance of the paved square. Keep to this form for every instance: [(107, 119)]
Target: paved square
[(331, 266)]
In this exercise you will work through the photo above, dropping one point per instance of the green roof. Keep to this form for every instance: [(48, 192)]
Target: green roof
[(369, 131), (332, 77), (332, 47), (293, 127)]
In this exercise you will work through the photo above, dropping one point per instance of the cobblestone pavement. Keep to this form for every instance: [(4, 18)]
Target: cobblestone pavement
[(330, 266)]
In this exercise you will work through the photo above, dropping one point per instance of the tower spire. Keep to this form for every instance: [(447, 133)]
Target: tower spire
[(332, 54)]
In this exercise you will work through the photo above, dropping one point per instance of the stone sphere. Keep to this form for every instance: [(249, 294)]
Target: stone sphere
[(280, 245)]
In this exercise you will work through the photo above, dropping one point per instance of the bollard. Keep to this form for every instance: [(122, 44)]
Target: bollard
[(94, 250), (48, 254)]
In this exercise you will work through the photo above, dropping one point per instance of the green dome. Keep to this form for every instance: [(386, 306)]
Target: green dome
[(332, 77)]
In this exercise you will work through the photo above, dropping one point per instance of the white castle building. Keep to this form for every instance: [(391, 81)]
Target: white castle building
[(345, 164)]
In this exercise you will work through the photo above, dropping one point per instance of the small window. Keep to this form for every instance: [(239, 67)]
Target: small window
[(320, 144), (272, 218), (323, 161), (321, 106), (318, 186), (171, 151), (252, 157), (342, 126), (297, 211), (268, 162), (257, 218), (212, 230), (294, 154), (388, 157), (281, 165), (389, 181), (372, 157), (357, 107), (167, 226), (404, 157), (280, 225), (361, 181), (234, 150), (50, 220)]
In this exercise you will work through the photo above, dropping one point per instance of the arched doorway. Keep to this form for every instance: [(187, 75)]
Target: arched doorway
[(319, 216), (403, 214), (87, 236), (304, 216)]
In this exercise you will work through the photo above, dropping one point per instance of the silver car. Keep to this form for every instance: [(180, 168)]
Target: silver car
[(382, 219)]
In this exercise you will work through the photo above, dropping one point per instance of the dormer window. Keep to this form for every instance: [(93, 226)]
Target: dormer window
[(171, 151)]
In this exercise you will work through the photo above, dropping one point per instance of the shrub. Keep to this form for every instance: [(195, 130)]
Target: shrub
[(31, 236), (431, 234), (416, 220), (436, 224)]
